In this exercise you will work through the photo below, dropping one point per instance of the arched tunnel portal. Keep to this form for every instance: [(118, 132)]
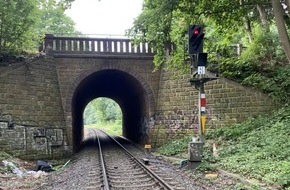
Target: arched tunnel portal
[(121, 87)]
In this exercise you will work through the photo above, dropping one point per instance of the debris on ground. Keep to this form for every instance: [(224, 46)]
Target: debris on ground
[(18, 174), (43, 166)]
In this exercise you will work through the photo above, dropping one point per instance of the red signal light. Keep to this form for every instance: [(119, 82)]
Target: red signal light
[(195, 39), (196, 32)]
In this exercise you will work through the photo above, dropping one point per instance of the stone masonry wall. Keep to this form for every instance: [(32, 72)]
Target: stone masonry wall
[(71, 71), (35, 103), (177, 107), (31, 117)]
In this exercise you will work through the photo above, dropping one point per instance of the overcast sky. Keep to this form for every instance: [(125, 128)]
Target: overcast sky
[(105, 16)]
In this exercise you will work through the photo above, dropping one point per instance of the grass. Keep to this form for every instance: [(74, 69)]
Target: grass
[(112, 128), (258, 148)]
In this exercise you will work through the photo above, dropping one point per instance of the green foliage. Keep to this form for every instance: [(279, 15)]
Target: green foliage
[(206, 166), (237, 69), (89, 115), (112, 128), (175, 147), (274, 81), (23, 23), (154, 25), (54, 20), (17, 19), (263, 62), (4, 156), (105, 114), (163, 21), (258, 148), (284, 179), (260, 66), (102, 110)]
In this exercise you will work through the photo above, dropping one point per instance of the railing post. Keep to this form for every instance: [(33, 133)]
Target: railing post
[(48, 44)]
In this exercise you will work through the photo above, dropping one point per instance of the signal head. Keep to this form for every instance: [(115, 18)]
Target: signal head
[(195, 39)]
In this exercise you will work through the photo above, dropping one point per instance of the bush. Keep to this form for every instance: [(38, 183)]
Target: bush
[(258, 148), (175, 147), (261, 65)]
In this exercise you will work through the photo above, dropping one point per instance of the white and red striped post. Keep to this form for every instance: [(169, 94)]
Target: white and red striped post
[(202, 112), (202, 103)]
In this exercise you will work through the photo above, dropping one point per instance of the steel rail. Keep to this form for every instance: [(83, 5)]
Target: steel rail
[(150, 172), (105, 177)]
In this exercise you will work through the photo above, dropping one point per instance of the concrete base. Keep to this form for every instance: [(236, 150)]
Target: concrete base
[(195, 150)]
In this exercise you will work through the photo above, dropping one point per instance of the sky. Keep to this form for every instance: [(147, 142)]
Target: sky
[(105, 17)]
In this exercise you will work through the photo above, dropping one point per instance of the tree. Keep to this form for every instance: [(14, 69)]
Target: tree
[(283, 35), (89, 115), (226, 23), (17, 18), (154, 25), (102, 110), (24, 22), (54, 20)]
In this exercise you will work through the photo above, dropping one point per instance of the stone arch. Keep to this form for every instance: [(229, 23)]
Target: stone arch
[(150, 101), (141, 80)]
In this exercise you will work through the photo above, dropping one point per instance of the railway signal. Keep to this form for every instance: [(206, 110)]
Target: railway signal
[(195, 39), (198, 61)]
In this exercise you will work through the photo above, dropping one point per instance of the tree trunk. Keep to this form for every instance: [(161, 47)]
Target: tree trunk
[(263, 17), (283, 35), (264, 21), (248, 28), (247, 25)]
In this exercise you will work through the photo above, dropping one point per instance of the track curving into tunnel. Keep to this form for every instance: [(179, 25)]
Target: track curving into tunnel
[(121, 87)]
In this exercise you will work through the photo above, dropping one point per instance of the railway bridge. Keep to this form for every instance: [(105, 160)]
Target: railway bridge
[(89, 68), (42, 100)]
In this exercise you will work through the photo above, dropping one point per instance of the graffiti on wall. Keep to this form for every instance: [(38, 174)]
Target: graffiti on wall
[(29, 139), (144, 127), (179, 119), (44, 139), (174, 122)]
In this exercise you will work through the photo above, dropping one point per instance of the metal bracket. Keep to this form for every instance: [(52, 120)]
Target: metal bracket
[(197, 82)]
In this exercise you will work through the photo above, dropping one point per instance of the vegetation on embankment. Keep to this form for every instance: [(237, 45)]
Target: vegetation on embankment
[(105, 114), (257, 148), (112, 128)]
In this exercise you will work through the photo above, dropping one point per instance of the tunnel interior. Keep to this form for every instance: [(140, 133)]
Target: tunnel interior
[(121, 87)]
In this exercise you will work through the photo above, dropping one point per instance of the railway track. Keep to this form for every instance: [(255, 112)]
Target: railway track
[(115, 167)]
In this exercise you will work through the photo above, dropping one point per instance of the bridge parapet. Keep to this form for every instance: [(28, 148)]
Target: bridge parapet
[(92, 47)]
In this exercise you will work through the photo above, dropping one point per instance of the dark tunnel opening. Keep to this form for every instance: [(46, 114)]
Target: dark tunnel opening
[(120, 87)]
